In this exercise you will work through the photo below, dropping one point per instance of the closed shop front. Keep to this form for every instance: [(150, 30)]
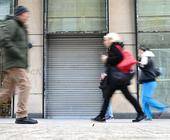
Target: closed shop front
[(74, 46)]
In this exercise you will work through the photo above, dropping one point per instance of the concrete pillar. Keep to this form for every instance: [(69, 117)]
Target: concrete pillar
[(122, 21)]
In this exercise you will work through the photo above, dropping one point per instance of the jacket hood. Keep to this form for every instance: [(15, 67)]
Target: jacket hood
[(148, 54), (9, 17)]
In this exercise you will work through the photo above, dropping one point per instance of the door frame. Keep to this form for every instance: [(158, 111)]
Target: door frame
[(45, 45), (136, 49)]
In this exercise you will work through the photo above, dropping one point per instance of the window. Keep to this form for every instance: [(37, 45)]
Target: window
[(154, 33), (76, 15), (6, 7)]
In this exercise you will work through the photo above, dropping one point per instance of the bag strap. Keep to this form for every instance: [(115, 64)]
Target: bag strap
[(119, 48)]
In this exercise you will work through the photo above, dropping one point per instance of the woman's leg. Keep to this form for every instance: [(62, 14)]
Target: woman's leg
[(149, 90), (108, 94), (109, 113), (146, 108), (135, 104), (155, 104), (145, 105), (132, 100), (109, 91)]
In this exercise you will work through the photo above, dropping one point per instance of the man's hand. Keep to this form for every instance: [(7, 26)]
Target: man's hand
[(104, 58), (103, 75)]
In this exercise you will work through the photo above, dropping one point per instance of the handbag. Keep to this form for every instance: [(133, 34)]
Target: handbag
[(117, 77), (157, 72), (128, 60)]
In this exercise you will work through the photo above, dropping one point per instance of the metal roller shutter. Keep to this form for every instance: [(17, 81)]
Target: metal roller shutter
[(73, 74)]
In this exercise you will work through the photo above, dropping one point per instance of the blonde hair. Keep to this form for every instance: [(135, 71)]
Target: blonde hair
[(114, 37)]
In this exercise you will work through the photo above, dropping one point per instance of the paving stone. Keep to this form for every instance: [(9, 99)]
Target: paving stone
[(85, 130)]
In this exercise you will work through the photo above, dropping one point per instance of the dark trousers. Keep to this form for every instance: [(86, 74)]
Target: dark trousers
[(109, 91)]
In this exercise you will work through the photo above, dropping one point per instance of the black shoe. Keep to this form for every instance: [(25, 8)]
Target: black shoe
[(139, 118), (99, 119), (25, 120)]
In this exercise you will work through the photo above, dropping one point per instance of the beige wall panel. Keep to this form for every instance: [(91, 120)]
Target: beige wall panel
[(121, 15), (36, 69), (121, 20), (132, 87), (34, 104), (36, 40), (129, 39), (35, 7), (130, 48), (121, 105)]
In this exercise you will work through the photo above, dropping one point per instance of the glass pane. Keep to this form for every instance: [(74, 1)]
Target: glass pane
[(153, 7), (154, 40), (154, 24), (162, 92), (154, 33), (76, 24), (163, 55), (5, 8), (76, 15)]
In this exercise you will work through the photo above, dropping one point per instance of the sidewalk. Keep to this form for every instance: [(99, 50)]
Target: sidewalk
[(84, 130)]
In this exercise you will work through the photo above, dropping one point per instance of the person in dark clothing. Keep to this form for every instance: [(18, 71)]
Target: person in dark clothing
[(111, 60)]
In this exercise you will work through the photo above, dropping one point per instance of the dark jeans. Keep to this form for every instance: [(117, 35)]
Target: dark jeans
[(109, 91)]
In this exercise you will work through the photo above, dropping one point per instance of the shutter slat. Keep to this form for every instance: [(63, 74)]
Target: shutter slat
[(73, 74)]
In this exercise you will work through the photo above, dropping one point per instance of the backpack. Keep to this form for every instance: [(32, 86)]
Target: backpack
[(126, 65)]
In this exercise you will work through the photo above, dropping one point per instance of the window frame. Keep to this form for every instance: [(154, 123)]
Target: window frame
[(12, 5), (78, 32)]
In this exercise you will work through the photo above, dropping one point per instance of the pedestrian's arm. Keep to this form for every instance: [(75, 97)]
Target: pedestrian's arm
[(144, 61)]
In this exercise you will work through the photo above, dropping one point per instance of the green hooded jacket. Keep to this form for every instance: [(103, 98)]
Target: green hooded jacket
[(15, 45)]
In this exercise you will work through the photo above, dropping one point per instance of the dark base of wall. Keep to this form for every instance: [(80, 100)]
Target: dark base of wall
[(116, 115), (33, 115), (133, 115), (36, 115)]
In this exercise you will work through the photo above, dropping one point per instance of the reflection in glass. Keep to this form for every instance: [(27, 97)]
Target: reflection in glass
[(5, 8), (76, 15)]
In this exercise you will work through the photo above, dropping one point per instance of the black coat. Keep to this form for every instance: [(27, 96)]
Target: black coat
[(15, 44), (148, 72), (114, 56), (116, 78)]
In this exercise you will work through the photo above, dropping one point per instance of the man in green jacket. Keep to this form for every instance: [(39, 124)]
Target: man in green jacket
[(15, 46)]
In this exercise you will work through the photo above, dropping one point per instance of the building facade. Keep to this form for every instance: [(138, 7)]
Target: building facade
[(67, 38)]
